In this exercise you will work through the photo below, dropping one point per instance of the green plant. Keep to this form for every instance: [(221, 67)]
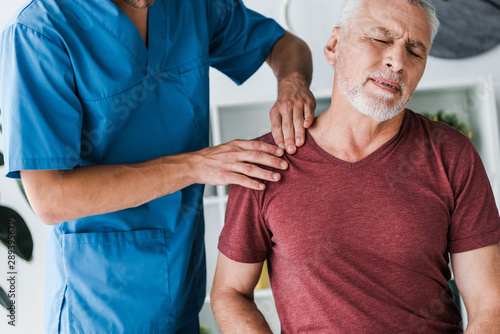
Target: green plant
[(204, 330), (15, 235), (450, 119)]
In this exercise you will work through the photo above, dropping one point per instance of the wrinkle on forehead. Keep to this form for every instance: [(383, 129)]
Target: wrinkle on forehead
[(397, 17)]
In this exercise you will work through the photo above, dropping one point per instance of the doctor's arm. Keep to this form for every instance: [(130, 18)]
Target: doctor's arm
[(61, 195), (477, 274), (232, 299), (293, 111)]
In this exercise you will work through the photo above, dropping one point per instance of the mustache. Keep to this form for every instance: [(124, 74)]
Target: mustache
[(396, 77)]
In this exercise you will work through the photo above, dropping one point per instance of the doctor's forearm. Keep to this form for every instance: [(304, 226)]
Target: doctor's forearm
[(291, 59), (58, 196), (293, 111)]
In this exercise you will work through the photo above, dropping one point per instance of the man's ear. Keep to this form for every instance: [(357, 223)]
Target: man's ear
[(330, 49)]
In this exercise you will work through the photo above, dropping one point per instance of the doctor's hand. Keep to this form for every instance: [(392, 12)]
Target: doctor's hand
[(292, 113), (235, 163)]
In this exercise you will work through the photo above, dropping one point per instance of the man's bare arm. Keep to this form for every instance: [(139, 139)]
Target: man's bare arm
[(232, 297), (291, 61), (58, 196), (477, 274)]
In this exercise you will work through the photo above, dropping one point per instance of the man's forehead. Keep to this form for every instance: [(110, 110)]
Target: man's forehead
[(395, 16)]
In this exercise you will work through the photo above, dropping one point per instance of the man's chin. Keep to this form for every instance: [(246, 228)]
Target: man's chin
[(381, 114), (380, 106)]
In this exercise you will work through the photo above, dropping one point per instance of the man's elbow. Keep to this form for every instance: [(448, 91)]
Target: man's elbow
[(48, 209), (215, 298), (485, 320), (45, 195), (220, 297), (49, 215), (50, 219)]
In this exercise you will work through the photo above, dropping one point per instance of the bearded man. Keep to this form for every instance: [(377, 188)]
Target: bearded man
[(353, 244)]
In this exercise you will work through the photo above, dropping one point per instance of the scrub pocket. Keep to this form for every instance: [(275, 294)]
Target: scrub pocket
[(117, 282)]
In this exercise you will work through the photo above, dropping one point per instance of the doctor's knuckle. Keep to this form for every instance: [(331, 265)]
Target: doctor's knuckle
[(276, 128), (240, 179), (236, 142), (288, 124), (286, 105), (310, 100), (298, 118), (248, 169), (256, 145), (299, 104), (256, 156)]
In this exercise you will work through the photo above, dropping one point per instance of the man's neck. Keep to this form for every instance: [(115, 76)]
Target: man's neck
[(349, 135), (138, 16)]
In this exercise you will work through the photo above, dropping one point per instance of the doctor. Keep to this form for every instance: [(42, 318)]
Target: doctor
[(105, 113)]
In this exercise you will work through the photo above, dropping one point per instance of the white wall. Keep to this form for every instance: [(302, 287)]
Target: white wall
[(313, 21), (30, 276)]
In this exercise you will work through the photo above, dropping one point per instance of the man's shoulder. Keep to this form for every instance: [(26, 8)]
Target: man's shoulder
[(436, 131), (45, 18), (32, 13)]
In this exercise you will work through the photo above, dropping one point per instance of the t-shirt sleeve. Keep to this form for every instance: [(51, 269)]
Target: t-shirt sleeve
[(245, 236), (41, 113), (475, 222), (241, 39)]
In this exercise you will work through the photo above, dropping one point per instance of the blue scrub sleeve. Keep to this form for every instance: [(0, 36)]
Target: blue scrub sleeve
[(241, 39), (41, 113)]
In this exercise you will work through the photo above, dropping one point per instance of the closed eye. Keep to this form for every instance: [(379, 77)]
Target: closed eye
[(381, 41), (389, 42), (413, 53)]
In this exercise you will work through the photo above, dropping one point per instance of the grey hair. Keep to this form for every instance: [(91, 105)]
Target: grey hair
[(351, 8)]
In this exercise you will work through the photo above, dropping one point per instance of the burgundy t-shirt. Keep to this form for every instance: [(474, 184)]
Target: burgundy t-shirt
[(363, 247)]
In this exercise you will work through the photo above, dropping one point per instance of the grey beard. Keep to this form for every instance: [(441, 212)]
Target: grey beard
[(377, 107)]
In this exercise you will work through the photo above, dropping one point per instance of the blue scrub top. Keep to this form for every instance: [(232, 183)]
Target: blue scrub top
[(80, 88)]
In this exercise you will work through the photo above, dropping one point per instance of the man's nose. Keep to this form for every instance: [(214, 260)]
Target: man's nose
[(395, 57)]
